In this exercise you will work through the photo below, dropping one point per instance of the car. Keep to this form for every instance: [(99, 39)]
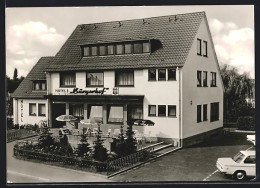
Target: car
[(240, 166), (251, 138), (143, 122)]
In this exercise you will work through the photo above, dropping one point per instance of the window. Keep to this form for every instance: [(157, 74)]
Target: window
[(161, 110), (205, 112), (205, 79), (94, 51), (95, 79), (214, 111), (115, 114), (146, 47), (110, 50), (205, 49), (198, 46), (67, 79), (172, 110), (119, 49), (77, 110), (152, 110), (96, 112), (138, 48), (199, 78), (102, 50), (32, 109), (213, 79), (162, 74), (41, 110), (198, 113), (171, 74), (39, 85), (124, 78), (136, 112), (152, 74), (86, 51), (250, 159), (128, 48)]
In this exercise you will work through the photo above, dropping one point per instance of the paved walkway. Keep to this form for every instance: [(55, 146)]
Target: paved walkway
[(19, 171)]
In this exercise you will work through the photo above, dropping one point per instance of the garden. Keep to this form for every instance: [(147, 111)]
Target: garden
[(57, 150)]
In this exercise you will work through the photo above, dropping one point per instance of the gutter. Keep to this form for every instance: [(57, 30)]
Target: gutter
[(180, 110)]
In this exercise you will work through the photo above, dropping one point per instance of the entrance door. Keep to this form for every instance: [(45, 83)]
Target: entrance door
[(57, 110)]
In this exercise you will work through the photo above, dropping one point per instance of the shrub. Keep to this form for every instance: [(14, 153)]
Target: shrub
[(65, 148), (246, 123), (145, 155), (83, 149)]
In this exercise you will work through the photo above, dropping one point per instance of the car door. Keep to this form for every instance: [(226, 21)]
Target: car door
[(249, 165)]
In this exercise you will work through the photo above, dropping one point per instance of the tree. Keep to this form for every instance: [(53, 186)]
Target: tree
[(100, 152), (237, 87), (65, 147), (83, 148), (130, 140), (15, 76)]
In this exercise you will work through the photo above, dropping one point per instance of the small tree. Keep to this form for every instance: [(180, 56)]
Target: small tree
[(130, 140), (83, 148), (65, 147), (46, 142), (100, 152)]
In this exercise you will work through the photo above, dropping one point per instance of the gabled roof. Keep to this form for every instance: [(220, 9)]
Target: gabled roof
[(25, 89), (175, 34)]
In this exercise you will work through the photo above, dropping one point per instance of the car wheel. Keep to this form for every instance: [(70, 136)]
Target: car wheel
[(240, 175)]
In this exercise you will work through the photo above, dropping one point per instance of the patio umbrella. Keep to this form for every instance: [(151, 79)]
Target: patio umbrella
[(67, 118)]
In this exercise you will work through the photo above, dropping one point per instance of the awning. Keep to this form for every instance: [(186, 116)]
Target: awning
[(95, 99)]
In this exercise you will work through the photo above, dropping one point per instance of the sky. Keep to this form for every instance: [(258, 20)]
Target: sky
[(32, 33)]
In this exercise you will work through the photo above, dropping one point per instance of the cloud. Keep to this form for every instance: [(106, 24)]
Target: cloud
[(234, 46), (27, 42)]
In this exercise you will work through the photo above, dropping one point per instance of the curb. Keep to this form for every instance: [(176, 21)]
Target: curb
[(132, 167)]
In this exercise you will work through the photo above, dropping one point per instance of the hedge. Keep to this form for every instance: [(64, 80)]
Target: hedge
[(246, 123)]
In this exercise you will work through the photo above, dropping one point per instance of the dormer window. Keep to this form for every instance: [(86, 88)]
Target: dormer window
[(39, 85), (117, 48)]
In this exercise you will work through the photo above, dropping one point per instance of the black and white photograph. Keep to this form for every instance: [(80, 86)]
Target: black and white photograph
[(130, 94)]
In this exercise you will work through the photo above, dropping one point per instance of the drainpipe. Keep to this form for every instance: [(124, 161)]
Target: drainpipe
[(180, 119)]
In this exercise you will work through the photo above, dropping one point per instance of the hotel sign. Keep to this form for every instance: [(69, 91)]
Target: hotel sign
[(82, 91)]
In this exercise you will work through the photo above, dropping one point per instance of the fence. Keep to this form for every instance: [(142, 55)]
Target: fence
[(128, 160), (32, 155), (21, 133)]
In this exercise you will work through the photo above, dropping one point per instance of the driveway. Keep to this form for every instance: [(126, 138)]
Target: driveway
[(196, 163)]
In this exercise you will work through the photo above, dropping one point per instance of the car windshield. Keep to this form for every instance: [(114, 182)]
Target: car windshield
[(238, 157)]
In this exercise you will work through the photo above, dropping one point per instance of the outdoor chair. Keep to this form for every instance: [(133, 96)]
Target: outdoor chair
[(108, 132), (95, 131), (138, 136), (116, 133)]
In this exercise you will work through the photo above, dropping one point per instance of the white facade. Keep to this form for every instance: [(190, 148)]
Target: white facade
[(21, 111)]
